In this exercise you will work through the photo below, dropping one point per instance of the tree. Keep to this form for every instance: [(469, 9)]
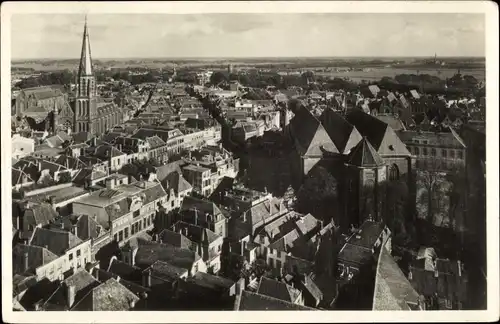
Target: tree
[(318, 194), (218, 77), (397, 195)]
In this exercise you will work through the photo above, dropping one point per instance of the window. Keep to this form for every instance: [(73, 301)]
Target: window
[(424, 151), (70, 256), (452, 154), (172, 203), (115, 237), (140, 225), (136, 213), (394, 172), (126, 232), (460, 154), (78, 253), (444, 153), (144, 223), (417, 151), (120, 236), (433, 152)]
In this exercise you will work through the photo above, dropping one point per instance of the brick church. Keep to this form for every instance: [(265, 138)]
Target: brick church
[(362, 153), (88, 113)]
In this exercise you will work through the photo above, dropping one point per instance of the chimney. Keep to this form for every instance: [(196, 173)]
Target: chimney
[(75, 229), (148, 278), (39, 166), (243, 245), (459, 263), (96, 274), (132, 303), (185, 230), (26, 259), (70, 295)]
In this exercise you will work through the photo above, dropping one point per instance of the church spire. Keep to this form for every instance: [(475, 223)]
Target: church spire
[(85, 68)]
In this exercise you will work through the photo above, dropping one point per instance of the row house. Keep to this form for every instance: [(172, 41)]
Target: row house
[(125, 210), (50, 253)]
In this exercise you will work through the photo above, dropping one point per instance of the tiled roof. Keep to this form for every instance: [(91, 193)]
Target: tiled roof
[(109, 296), (83, 283), (211, 281), (364, 155), (176, 181), (39, 291), (281, 225), (310, 134), (56, 241), (306, 224), (116, 209), (382, 137), (155, 142), (167, 271), (88, 228), (277, 289), (195, 233), (263, 211), (105, 152), (163, 171), (356, 254), (312, 288), (202, 206), (37, 256), (392, 289), (39, 214), (344, 135), (395, 123), (124, 270), (175, 239), (249, 301), (150, 252)]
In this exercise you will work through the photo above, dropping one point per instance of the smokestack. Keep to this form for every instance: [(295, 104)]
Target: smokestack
[(70, 295)]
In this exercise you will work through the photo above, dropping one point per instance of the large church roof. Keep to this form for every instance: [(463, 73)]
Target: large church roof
[(364, 155)]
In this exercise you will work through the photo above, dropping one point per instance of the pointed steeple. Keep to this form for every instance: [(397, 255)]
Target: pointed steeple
[(85, 68)]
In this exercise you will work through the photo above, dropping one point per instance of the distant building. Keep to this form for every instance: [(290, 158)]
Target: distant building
[(443, 151), (22, 146)]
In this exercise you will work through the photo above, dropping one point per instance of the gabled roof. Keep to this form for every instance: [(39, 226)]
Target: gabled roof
[(195, 233), (392, 288), (150, 252), (365, 156), (344, 135), (109, 296), (39, 214), (124, 270), (382, 137), (310, 135), (249, 301), (176, 239), (176, 181), (163, 171), (37, 256), (167, 271), (277, 289), (202, 206), (83, 283), (56, 241)]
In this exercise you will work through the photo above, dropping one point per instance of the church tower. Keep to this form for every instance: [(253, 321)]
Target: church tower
[(86, 91), (365, 173)]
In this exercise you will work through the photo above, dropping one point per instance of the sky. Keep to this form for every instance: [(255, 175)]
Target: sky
[(248, 35)]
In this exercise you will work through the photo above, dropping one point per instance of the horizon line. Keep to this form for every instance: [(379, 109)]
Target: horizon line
[(248, 57)]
